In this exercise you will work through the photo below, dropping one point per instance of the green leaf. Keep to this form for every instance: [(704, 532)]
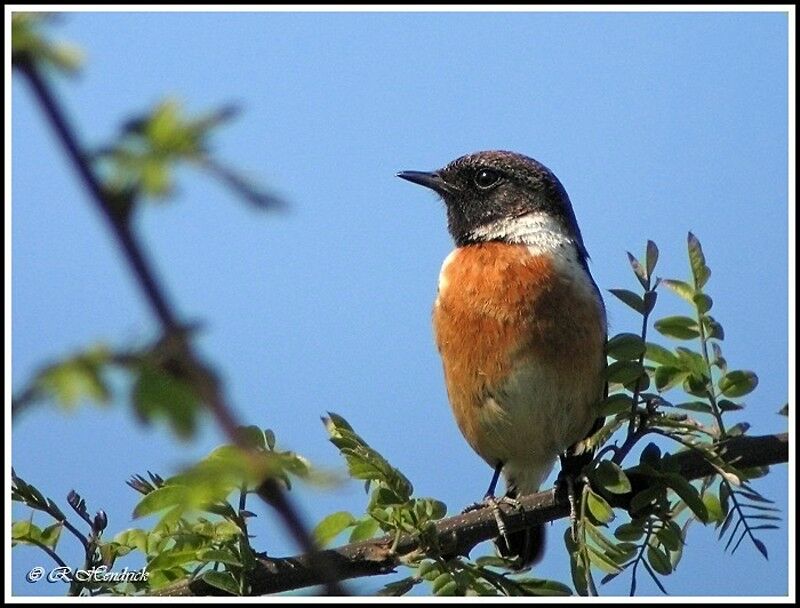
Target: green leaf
[(384, 497), (738, 383), (615, 404), (156, 180), (110, 551), (398, 588), (162, 578), (703, 302), (580, 577), (642, 383), (269, 437), (660, 355), (159, 499), (651, 258), (740, 428), (670, 535), (51, 534), (639, 271), (695, 385), (445, 578), (761, 547), (676, 555), (364, 462), (78, 378), (678, 327), (25, 529), (697, 261), (158, 393), (134, 538), (210, 481), (493, 561), (688, 494), (599, 508), (252, 437), (542, 587), (221, 580), (29, 45), (602, 561), (429, 569), (625, 347), (649, 299), (623, 372), (618, 553), (226, 530), (691, 361), (219, 555), (695, 406), (630, 532), (713, 328), (631, 299), (645, 498), (167, 560), (651, 455), (364, 530), (713, 508), (448, 589), (331, 526), (431, 508), (729, 406), (681, 288), (724, 497), (667, 376), (659, 560), (718, 360), (611, 477)]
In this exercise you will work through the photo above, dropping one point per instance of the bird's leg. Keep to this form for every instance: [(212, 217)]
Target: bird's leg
[(491, 501), (489, 497), (495, 477), (571, 469)]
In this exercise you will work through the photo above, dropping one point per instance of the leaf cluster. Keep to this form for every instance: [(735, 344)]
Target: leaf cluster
[(394, 510), (644, 379), (202, 526)]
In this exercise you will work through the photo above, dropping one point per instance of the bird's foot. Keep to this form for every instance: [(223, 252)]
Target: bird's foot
[(493, 502)]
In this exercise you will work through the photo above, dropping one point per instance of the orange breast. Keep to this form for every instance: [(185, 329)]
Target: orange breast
[(499, 308)]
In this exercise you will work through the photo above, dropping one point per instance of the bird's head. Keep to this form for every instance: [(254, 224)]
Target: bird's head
[(500, 196)]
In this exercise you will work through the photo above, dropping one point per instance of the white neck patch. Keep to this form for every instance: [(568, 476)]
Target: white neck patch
[(539, 231), (541, 234)]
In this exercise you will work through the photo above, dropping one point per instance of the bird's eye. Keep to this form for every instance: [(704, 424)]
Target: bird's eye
[(486, 178)]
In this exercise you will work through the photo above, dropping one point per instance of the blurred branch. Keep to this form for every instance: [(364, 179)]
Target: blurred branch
[(198, 374), (458, 535)]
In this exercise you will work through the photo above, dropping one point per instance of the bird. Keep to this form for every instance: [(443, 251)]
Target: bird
[(520, 325)]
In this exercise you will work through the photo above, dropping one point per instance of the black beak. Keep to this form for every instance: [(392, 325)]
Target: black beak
[(430, 180)]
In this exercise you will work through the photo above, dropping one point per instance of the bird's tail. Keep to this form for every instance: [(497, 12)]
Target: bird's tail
[(524, 547)]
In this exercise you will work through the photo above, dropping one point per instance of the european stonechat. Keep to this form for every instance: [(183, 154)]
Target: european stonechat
[(518, 320)]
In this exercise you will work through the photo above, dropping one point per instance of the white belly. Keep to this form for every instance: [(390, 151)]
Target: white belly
[(537, 415)]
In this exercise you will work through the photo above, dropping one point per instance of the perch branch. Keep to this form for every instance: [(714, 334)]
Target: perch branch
[(458, 535)]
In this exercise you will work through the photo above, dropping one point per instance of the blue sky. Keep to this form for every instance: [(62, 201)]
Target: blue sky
[(656, 124)]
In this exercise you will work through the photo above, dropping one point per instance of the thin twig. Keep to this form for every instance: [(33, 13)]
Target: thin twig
[(47, 550), (200, 377)]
